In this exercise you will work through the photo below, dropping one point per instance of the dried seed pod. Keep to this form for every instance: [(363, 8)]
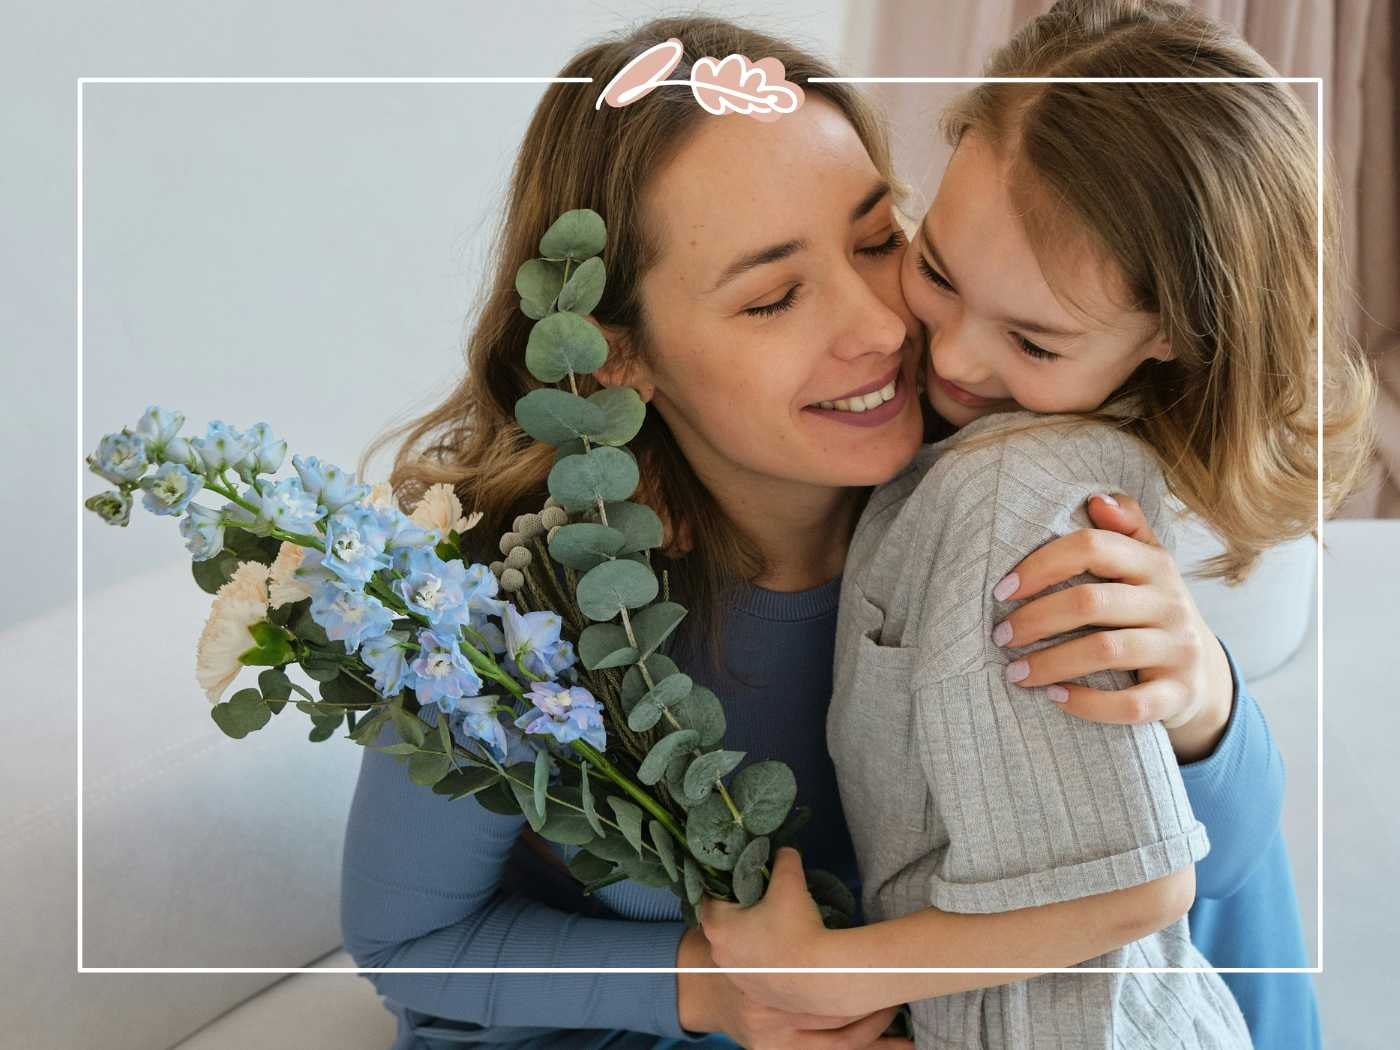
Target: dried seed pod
[(552, 502), (529, 526), (512, 580), (519, 558), (552, 531), (553, 517), (519, 524), (509, 541), (498, 567)]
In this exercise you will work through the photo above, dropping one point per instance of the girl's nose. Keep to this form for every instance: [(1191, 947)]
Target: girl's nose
[(955, 357)]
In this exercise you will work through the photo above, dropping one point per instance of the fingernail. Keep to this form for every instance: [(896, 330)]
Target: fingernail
[(1015, 672), (1007, 587), (1108, 499), (1001, 634), (1057, 693)]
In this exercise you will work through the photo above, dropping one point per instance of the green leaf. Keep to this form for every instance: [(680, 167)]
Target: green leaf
[(602, 473), (704, 771), (629, 819), (748, 872), (694, 888), (428, 767), (321, 731), (764, 793), (538, 281), (590, 811), (214, 572), (586, 867), (541, 781), (585, 287), (702, 712), (675, 778), (829, 891), (308, 630), (567, 826), (613, 848), (654, 624), (713, 836), (500, 797), (368, 730), (557, 416), (646, 872), (241, 714), (320, 667), (274, 684), (638, 523), (654, 766), (444, 733), (786, 835), (578, 235), (466, 780), (583, 545), (564, 344), (648, 710), (634, 686), (410, 727), (615, 585), (345, 690), (401, 748), (604, 645), (525, 800), (665, 848), (625, 411)]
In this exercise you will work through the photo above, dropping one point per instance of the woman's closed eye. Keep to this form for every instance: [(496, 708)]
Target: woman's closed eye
[(892, 244), (776, 307)]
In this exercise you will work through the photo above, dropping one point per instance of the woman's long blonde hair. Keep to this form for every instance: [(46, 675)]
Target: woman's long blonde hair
[(575, 156), (1205, 198)]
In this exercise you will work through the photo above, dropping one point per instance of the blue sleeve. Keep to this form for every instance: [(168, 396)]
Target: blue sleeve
[(1237, 793), (421, 886)]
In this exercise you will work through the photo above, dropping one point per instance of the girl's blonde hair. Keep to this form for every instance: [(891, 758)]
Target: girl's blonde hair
[(1205, 198), (576, 156)]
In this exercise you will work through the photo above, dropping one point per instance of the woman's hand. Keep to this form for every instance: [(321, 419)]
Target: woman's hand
[(1184, 678), (714, 1003)]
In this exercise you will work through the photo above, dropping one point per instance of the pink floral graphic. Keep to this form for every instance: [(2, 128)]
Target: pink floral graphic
[(730, 85)]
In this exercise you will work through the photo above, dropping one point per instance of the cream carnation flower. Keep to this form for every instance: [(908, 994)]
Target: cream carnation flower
[(441, 509), (285, 588), (239, 604), (381, 495)]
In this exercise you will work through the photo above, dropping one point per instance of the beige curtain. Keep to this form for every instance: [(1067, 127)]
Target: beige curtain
[(1349, 43)]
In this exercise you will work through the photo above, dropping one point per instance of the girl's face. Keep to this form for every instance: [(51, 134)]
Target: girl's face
[(775, 304), (998, 337)]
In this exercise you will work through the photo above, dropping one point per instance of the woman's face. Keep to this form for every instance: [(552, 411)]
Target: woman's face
[(998, 337), (780, 348)]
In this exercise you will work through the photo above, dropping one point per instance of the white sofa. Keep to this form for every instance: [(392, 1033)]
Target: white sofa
[(200, 851)]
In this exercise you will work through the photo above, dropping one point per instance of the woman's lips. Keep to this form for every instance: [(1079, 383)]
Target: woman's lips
[(871, 417)]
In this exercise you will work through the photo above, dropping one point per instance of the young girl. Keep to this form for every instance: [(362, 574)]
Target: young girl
[(1118, 283)]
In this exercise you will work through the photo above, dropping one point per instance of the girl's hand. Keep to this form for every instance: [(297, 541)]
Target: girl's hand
[(783, 929), (1184, 678)]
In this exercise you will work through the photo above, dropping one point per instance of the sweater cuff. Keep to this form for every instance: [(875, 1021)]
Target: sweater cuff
[(1205, 776)]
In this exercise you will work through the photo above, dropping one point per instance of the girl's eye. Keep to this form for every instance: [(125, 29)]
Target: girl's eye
[(933, 275), (769, 309), (895, 241), (1037, 352)]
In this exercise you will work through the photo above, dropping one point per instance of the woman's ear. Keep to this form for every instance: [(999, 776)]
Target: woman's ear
[(623, 367), (1159, 347)]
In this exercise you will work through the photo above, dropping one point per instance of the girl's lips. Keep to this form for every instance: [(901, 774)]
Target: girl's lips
[(872, 417), (961, 396)]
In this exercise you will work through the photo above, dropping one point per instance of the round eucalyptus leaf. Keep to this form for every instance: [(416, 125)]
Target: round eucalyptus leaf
[(653, 767), (615, 585), (525, 799), (533, 310), (670, 691), (579, 482), (538, 281), (634, 686), (638, 523), (612, 847), (274, 684), (748, 872), (466, 780), (585, 287), (629, 819), (624, 410), (694, 887), (590, 810), (714, 837), (567, 826), (645, 872), (541, 780), (786, 835), (654, 624), (428, 767), (604, 645), (702, 712), (829, 891), (586, 867), (764, 793), (582, 545), (564, 343), (567, 449), (665, 848), (499, 798), (675, 778), (557, 416), (579, 234), (213, 573), (239, 717), (704, 771), (643, 716)]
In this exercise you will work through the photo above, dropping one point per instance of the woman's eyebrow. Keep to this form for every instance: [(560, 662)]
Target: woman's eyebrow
[(777, 252)]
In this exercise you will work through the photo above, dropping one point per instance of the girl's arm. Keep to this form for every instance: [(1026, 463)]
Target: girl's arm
[(421, 886)]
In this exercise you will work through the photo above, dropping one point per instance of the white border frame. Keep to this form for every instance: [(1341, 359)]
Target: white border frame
[(83, 81)]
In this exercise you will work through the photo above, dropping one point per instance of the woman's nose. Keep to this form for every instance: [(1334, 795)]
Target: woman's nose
[(869, 326)]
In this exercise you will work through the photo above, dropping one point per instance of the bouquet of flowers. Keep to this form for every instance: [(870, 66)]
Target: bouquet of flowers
[(538, 684)]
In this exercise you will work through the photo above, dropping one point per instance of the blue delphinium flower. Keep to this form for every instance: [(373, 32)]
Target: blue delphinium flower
[(479, 591), (533, 642), (113, 507), (120, 458), (440, 672), (403, 535), (566, 713), (203, 530), (266, 455), (349, 616), (170, 489), (384, 656), (158, 427), (436, 589), (473, 722), (354, 545), (283, 505), (222, 446), (327, 484)]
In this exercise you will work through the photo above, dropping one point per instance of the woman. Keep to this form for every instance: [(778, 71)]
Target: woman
[(719, 228)]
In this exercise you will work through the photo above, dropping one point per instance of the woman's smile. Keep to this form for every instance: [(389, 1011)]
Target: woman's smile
[(870, 405)]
